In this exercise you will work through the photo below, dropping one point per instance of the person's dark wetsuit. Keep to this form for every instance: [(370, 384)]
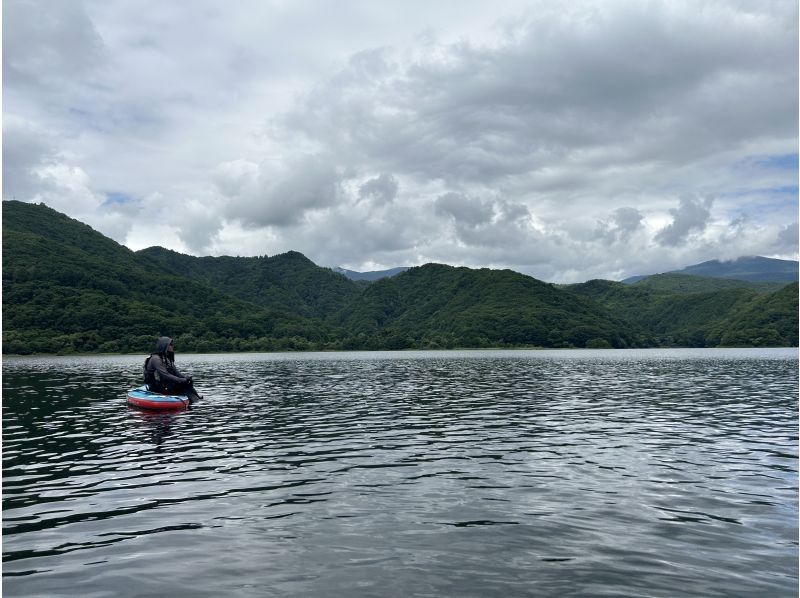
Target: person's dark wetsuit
[(161, 375)]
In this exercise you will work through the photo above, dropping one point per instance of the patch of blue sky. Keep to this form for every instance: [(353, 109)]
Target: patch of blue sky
[(783, 191), (116, 197), (791, 190), (765, 202), (784, 162)]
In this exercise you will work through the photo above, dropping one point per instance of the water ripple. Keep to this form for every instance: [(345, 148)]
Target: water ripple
[(369, 474)]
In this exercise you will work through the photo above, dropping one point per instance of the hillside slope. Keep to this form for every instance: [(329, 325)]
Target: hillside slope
[(437, 305), (678, 282), (688, 316), (288, 282), (68, 288), (752, 268), (748, 268)]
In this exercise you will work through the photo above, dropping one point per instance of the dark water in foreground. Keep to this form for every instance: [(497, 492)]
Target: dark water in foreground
[(554, 473)]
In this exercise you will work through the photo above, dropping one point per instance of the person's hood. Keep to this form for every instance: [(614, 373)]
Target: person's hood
[(162, 344)]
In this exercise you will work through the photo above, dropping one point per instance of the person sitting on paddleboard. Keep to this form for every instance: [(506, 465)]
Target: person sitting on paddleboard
[(161, 375)]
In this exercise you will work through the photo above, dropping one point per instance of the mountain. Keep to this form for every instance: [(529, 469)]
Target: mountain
[(732, 316), (370, 276), (442, 306), (67, 288), (288, 281), (679, 282), (767, 320), (750, 268)]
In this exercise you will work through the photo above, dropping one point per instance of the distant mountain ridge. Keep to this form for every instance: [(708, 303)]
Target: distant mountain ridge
[(370, 276), (732, 316), (288, 281), (679, 282), (69, 289), (748, 268), (446, 306)]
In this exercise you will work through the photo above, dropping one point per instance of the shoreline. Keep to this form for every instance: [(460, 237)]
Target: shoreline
[(409, 351)]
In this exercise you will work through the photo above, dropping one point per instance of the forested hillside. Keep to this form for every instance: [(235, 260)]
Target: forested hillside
[(752, 268), (67, 288), (686, 315), (289, 281), (746, 268), (443, 306), (675, 282)]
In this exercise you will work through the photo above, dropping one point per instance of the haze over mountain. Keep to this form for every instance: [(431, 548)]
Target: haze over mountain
[(371, 275), (751, 268), (747, 268), (754, 268), (67, 288)]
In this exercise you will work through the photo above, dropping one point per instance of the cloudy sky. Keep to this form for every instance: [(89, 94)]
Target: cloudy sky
[(566, 140)]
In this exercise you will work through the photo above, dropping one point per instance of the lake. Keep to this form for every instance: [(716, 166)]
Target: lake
[(457, 473)]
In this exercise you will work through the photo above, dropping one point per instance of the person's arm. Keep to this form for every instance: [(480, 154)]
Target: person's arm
[(180, 374), (162, 373)]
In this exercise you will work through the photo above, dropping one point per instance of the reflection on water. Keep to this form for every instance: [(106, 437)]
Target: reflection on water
[(158, 424), (371, 474)]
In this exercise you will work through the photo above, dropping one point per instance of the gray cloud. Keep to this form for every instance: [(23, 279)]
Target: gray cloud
[(465, 210), (549, 137), (622, 223), (60, 42), (382, 189), (279, 195), (26, 147), (691, 216), (633, 85), (198, 226), (788, 239)]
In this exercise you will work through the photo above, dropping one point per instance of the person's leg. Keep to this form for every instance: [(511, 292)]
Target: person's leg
[(192, 393), (184, 389)]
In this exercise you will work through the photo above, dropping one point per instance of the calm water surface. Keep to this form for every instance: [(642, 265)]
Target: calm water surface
[(547, 473)]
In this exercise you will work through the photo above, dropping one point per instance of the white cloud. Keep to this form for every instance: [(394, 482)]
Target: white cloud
[(382, 189), (620, 226), (50, 45), (787, 239), (26, 148), (279, 193), (237, 179), (691, 216), (568, 141), (468, 211)]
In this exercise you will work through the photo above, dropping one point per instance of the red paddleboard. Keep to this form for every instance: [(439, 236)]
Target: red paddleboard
[(141, 397)]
